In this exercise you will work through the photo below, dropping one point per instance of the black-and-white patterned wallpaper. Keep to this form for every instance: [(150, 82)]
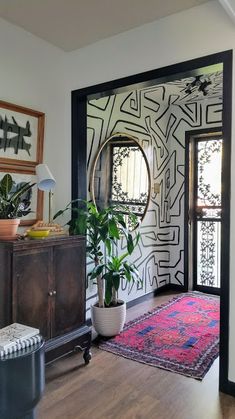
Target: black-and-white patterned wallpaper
[(158, 116)]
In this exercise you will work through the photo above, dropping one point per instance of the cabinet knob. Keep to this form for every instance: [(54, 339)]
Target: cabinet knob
[(51, 293)]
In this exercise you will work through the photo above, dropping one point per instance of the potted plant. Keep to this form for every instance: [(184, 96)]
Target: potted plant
[(104, 230), (14, 203)]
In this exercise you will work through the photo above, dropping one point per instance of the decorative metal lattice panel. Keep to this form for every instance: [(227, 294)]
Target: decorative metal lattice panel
[(209, 172), (208, 252), (129, 178)]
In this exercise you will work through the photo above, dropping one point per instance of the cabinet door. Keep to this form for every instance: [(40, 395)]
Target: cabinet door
[(32, 280), (69, 270), (5, 286)]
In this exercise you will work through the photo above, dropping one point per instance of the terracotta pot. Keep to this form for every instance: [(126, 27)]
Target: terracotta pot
[(108, 321), (8, 229)]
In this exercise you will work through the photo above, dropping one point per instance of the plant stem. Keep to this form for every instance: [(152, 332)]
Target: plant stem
[(114, 296), (100, 285), (100, 289)]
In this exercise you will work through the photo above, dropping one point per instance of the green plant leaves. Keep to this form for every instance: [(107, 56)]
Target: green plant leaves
[(108, 293), (13, 204), (97, 270), (116, 280), (21, 191), (104, 230), (130, 244), (59, 213), (108, 244), (113, 228), (6, 185)]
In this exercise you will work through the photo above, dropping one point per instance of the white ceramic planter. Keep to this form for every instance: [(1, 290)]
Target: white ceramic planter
[(108, 321)]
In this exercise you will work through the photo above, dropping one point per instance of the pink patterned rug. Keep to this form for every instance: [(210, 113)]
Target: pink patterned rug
[(180, 336)]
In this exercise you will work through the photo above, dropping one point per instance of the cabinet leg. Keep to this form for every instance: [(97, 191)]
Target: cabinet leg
[(87, 355)]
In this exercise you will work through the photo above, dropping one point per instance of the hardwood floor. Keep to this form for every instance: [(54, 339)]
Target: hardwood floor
[(112, 387)]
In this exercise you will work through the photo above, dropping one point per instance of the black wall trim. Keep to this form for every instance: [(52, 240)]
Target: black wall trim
[(79, 112), (79, 158), (149, 296), (230, 388), (225, 218), (140, 300), (167, 287)]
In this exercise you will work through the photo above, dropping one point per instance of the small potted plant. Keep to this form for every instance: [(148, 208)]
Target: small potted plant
[(14, 203), (104, 230)]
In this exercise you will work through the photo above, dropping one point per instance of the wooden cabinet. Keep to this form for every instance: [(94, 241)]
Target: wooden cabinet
[(42, 284)]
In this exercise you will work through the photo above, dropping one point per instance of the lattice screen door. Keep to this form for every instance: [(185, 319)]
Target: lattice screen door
[(206, 213)]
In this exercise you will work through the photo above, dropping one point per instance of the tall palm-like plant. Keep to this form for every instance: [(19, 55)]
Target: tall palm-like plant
[(114, 270), (104, 229)]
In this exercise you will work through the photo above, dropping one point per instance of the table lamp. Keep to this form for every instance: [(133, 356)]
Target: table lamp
[(46, 183)]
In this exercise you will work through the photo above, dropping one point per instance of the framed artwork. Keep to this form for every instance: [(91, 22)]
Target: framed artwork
[(21, 135), (35, 196)]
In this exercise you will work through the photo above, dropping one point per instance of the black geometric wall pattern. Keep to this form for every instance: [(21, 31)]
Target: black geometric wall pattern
[(158, 116), (132, 104)]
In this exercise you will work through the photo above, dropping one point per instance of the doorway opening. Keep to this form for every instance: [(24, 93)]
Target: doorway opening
[(192, 68)]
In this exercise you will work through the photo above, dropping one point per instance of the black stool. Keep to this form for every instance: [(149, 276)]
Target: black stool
[(22, 381)]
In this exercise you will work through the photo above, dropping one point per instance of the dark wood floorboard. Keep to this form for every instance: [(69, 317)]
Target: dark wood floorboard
[(112, 387)]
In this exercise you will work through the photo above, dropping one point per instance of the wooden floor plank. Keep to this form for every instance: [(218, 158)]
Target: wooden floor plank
[(112, 387)]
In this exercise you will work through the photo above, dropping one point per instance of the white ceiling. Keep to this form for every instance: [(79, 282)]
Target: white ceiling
[(72, 24)]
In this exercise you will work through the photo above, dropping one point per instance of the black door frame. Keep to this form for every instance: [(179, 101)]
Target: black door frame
[(79, 167), (190, 138)]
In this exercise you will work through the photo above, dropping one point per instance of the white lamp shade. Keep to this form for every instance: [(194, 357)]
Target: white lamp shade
[(46, 181)]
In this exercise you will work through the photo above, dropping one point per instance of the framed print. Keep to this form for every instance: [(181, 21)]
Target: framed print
[(21, 135), (34, 195)]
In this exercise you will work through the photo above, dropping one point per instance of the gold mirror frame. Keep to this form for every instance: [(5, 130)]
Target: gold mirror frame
[(119, 135)]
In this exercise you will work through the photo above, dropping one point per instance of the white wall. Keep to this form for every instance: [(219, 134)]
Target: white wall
[(190, 34), (31, 74)]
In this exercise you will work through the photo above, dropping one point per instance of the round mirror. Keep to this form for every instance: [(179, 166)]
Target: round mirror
[(120, 175)]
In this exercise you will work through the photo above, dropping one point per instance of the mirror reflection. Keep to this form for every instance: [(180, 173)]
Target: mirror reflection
[(121, 175)]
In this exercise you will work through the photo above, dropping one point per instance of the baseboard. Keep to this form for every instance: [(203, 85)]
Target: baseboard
[(152, 294), (164, 288), (231, 388), (228, 387), (139, 300), (170, 287)]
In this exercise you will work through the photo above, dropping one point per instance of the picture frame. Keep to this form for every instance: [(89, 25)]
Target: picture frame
[(20, 175), (21, 135)]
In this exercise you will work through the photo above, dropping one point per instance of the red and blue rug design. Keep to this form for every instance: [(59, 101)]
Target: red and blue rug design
[(180, 336)]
